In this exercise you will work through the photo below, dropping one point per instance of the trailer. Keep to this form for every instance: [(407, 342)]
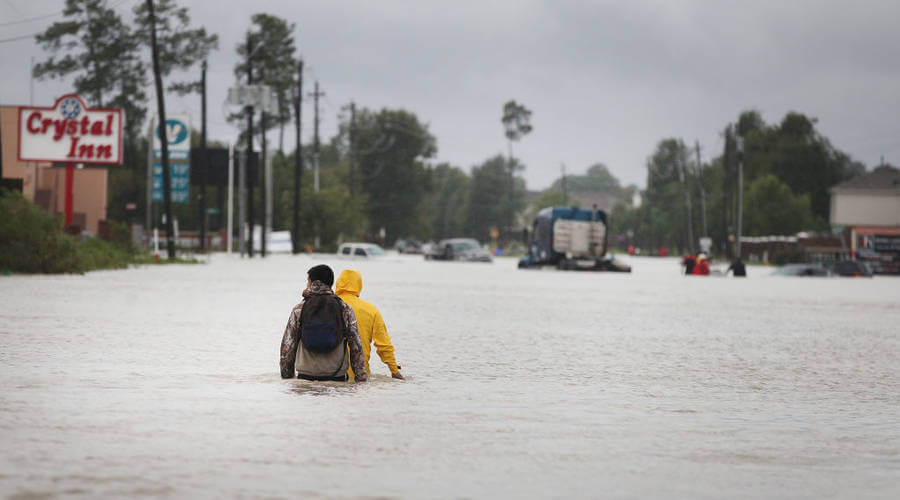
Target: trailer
[(570, 238)]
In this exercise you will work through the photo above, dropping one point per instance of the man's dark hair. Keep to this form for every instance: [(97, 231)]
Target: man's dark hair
[(321, 273)]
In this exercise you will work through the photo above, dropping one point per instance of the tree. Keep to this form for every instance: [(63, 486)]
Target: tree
[(391, 145), (491, 203), (273, 63), (180, 46), (516, 122), (771, 208), (446, 204), (95, 46), (597, 180), (331, 214), (173, 46)]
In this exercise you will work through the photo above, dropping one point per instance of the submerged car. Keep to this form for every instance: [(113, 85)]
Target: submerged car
[(466, 249), (802, 270), (407, 245), (360, 250), (851, 268)]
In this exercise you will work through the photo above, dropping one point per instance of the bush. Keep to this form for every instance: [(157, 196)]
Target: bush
[(32, 241)]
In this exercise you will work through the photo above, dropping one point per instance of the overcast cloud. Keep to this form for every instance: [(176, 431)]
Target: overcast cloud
[(606, 80)]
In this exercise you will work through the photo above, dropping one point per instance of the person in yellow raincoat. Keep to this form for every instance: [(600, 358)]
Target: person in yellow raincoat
[(369, 320)]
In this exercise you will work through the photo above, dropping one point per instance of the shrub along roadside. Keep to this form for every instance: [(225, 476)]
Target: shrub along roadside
[(32, 241)]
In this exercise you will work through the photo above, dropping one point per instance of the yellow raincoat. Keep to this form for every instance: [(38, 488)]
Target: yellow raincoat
[(368, 319)]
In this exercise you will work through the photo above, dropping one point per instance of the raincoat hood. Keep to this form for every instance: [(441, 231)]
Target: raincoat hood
[(349, 282)]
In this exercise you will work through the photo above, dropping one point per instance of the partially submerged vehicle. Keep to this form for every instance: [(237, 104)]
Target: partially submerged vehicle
[(360, 250), (848, 268), (466, 249), (570, 238), (408, 245)]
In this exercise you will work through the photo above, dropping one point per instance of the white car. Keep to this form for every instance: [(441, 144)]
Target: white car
[(360, 250)]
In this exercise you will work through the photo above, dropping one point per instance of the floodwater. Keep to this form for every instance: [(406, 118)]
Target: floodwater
[(163, 382)]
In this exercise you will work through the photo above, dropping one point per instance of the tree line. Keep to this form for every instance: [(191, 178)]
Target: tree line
[(376, 179), (788, 169)]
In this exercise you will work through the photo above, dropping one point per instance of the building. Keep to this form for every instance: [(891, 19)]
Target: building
[(44, 184), (868, 208)]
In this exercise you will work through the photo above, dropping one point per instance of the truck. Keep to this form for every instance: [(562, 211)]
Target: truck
[(569, 238)]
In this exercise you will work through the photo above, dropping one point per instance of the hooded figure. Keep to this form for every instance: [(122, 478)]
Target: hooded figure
[(369, 320), (702, 267)]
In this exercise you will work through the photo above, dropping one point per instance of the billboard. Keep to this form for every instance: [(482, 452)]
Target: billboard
[(178, 139), (70, 132)]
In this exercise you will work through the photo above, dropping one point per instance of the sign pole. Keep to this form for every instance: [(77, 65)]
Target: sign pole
[(70, 183), (228, 242)]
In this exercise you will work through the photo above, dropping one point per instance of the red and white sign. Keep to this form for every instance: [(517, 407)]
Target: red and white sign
[(70, 132)]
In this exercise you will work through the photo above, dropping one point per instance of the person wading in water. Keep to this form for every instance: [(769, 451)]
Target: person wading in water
[(371, 324), (321, 334)]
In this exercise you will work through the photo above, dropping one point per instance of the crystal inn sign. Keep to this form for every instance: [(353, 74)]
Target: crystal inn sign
[(70, 132)]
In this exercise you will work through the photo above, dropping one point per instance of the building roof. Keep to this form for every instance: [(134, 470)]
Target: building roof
[(883, 177)]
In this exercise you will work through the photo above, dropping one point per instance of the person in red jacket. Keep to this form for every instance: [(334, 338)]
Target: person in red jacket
[(702, 267)]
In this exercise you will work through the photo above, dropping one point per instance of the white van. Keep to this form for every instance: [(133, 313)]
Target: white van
[(360, 251)]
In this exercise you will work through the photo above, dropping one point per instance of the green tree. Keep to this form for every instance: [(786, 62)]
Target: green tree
[(516, 121), (331, 214), (391, 147), (771, 208), (797, 154), (180, 46), (491, 203), (274, 64), (447, 202), (93, 45)]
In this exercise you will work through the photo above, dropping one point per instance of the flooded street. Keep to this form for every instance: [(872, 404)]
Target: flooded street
[(164, 382)]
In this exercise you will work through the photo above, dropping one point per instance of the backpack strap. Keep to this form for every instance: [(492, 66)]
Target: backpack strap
[(345, 332)]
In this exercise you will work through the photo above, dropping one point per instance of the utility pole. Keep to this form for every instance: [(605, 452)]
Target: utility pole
[(163, 136), (564, 184), (352, 133), (316, 96), (702, 190), (149, 220), (740, 192), (204, 158), (252, 182), (264, 163), (298, 160), (687, 197)]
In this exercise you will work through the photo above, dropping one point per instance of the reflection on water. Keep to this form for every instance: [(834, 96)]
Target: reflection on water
[(164, 381)]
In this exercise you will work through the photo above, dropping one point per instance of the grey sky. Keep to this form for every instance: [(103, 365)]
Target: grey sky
[(606, 80)]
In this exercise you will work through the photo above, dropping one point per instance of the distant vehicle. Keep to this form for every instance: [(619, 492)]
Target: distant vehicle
[(407, 245), (360, 250), (802, 270), (852, 268), (466, 249), (570, 238)]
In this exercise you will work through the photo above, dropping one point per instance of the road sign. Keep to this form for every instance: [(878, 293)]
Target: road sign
[(262, 97), (179, 175), (178, 134)]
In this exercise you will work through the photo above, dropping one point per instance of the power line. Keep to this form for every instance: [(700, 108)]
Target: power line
[(31, 19), (22, 37), (48, 16), (32, 35)]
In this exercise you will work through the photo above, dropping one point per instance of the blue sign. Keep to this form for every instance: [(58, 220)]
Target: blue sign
[(180, 177), (178, 137)]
